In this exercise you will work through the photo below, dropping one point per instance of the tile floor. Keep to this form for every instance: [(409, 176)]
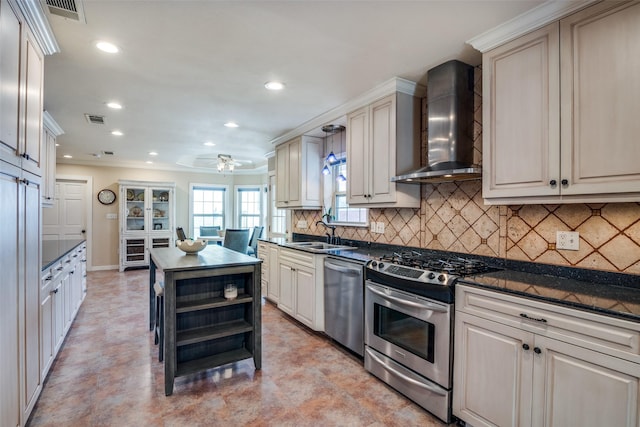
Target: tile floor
[(108, 374)]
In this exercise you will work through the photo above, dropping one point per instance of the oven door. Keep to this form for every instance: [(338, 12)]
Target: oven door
[(412, 330)]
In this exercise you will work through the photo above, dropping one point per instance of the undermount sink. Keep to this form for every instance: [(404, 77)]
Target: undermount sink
[(315, 246)]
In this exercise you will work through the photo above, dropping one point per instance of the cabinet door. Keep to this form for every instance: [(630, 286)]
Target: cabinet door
[(159, 210), (282, 176), (48, 169), (47, 331), (274, 279), (575, 386), (600, 49), (382, 151), (9, 356), (295, 172), (357, 156), (287, 299), (134, 209), (58, 311), (492, 373), (10, 35), (33, 80), (521, 134), (305, 280)]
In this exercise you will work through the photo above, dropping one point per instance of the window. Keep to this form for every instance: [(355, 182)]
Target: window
[(249, 206), (208, 207), (336, 183), (278, 217)]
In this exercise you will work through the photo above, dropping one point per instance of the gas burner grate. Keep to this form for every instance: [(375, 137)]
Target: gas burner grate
[(451, 265)]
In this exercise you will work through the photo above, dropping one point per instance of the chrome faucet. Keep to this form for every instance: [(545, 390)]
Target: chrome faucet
[(332, 239)]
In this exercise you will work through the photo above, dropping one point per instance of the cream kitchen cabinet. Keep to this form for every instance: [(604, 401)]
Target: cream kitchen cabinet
[(51, 131), (298, 164), (147, 216), (558, 103), (273, 291), (557, 367), (383, 140), (301, 287)]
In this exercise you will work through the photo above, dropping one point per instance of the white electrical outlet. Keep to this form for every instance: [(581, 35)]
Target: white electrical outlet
[(380, 227), (568, 240), (302, 224), (112, 216), (372, 227)]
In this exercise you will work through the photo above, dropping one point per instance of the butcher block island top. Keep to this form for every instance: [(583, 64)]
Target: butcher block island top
[(202, 328)]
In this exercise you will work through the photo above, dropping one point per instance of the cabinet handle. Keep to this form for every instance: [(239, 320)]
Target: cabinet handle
[(48, 278), (524, 316), (553, 182), (525, 346), (26, 156), (537, 350), (564, 182), (55, 291)]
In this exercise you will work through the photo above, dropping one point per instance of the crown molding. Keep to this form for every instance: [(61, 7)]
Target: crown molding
[(39, 25), (338, 115), (51, 124), (531, 20)]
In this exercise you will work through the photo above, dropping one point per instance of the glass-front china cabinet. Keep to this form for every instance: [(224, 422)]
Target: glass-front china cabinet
[(147, 212)]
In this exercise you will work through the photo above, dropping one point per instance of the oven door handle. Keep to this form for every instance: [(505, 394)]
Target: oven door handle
[(403, 377), (401, 301)]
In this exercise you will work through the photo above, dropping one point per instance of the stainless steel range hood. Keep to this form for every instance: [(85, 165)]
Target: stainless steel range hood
[(450, 127)]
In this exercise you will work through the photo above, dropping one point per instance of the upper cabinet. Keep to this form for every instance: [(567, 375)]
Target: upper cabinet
[(558, 110), (383, 140), (51, 131), (298, 164)]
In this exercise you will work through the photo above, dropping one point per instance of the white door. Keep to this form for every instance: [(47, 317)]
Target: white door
[(66, 219)]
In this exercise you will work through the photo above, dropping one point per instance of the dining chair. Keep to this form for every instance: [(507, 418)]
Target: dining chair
[(209, 230), (237, 239), (253, 242), (180, 233)]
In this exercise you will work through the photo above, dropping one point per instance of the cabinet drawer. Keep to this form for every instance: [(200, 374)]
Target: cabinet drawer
[(298, 257), (617, 337)]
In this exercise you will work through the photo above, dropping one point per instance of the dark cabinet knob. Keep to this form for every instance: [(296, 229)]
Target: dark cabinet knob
[(553, 182), (565, 182), (525, 346), (537, 350)]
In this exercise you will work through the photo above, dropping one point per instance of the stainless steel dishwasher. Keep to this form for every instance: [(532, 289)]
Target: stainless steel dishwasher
[(344, 302)]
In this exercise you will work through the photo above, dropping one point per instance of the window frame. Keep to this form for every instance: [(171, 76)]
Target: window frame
[(227, 212), (330, 187), (259, 188)]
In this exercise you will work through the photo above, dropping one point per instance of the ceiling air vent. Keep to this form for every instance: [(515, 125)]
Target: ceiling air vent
[(94, 119), (70, 9), (108, 153)]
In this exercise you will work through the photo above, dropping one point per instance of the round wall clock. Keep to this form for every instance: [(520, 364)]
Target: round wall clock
[(106, 196)]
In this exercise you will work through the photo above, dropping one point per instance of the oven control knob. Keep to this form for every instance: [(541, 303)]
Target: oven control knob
[(431, 275), (374, 263), (441, 278), (381, 265)]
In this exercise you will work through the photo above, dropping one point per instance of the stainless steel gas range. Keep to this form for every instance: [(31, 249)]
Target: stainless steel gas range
[(409, 324)]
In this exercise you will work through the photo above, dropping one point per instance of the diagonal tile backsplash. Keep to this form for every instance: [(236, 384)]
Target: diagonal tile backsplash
[(453, 217)]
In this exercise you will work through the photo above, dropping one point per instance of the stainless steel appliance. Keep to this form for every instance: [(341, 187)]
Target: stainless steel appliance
[(344, 303), (409, 325)]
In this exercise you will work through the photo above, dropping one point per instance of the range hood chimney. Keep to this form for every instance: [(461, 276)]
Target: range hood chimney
[(450, 126)]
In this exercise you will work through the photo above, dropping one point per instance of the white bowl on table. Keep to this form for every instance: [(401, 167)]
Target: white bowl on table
[(191, 247)]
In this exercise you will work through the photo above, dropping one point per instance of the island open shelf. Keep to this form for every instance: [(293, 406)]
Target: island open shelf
[(202, 329)]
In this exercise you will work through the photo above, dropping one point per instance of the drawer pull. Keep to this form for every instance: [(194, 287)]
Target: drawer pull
[(525, 346), (524, 316), (537, 350)]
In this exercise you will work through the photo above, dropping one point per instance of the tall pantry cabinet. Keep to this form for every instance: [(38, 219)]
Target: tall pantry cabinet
[(21, 89)]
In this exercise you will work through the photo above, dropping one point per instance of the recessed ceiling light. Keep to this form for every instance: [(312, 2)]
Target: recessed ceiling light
[(116, 133), (274, 85), (231, 125), (68, 156), (209, 144), (149, 162), (57, 145), (114, 105), (107, 47), (153, 153)]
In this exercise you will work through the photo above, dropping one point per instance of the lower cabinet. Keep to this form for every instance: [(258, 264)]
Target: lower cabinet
[(63, 287), (301, 287), (509, 371), (273, 288)]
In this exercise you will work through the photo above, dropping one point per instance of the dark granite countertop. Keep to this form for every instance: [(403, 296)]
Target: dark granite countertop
[(614, 294), (53, 250), (600, 297)]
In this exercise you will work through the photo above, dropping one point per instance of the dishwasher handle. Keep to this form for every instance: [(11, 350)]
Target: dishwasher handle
[(353, 271)]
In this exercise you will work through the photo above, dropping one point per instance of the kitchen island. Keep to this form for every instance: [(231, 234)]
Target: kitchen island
[(203, 329)]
